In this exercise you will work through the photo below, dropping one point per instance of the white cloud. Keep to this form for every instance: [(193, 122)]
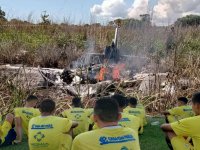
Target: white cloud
[(167, 11), (164, 12), (139, 7), (110, 8)]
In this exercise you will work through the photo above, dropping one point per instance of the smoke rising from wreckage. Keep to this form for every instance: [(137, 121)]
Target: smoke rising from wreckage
[(96, 74)]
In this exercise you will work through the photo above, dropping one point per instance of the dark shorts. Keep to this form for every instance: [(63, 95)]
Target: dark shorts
[(9, 138)]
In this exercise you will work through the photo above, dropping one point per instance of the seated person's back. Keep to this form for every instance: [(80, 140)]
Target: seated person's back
[(110, 135), (127, 120), (188, 127), (24, 114), (48, 132), (180, 112), (79, 115), (133, 110), (7, 134)]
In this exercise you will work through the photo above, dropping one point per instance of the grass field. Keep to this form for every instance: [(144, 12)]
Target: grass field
[(152, 139)]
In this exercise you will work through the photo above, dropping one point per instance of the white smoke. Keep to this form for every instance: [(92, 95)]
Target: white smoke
[(164, 12)]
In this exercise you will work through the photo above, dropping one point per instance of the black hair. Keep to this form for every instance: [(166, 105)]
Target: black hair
[(76, 102), (196, 98), (31, 98), (120, 99), (47, 105), (183, 99), (107, 109), (133, 101)]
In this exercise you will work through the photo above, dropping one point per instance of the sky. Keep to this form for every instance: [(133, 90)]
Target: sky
[(87, 11)]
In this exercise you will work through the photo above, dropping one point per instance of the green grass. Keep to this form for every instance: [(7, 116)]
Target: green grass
[(152, 139)]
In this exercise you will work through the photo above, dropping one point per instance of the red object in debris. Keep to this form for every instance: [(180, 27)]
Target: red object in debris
[(116, 71)]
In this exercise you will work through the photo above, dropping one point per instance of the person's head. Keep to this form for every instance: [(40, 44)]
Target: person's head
[(47, 107), (106, 111), (121, 100), (31, 101), (196, 103), (132, 102), (76, 102), (182, 101)]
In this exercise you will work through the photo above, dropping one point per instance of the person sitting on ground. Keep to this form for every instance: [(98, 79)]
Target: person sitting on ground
[(48, 132), (182, 111), (23, 116), (7, 133), (141, 106), (77, 114), (127, 120), (133, 110), (90, 111), (188, 127), (110, 135)]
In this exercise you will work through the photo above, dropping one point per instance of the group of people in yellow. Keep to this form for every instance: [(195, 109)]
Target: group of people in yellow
[(114, 123)]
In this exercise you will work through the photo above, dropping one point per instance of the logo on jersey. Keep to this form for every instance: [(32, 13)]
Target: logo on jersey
[(187, 109), (124, 120), (77, 116), (42, 126), (124, 148), (134, 112), (28, 114), (120, 139), (39, 136)]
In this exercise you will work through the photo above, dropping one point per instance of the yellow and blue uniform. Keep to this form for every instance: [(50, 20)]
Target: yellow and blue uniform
[(108, 138), (179, 113), (49, 133), (128, 121), (188, 127), (80, 116), (4, 129), (26, 114), (90, 111), (132, 122), (141, 106), (136, 112)]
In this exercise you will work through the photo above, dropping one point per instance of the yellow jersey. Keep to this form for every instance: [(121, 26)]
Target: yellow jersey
[(80, 116), (131, 121), (4, 129), (179, 113), (188, 127), (141, 106), (26, 114), (90, 112), (108, 138), (136, 112), (49, 133)]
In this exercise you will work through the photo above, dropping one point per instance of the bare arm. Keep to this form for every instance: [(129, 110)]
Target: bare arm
[(18, 124), (166, 128)]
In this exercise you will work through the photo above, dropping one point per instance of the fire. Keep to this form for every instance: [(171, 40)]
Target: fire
[(102, 73), (116, 71)]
